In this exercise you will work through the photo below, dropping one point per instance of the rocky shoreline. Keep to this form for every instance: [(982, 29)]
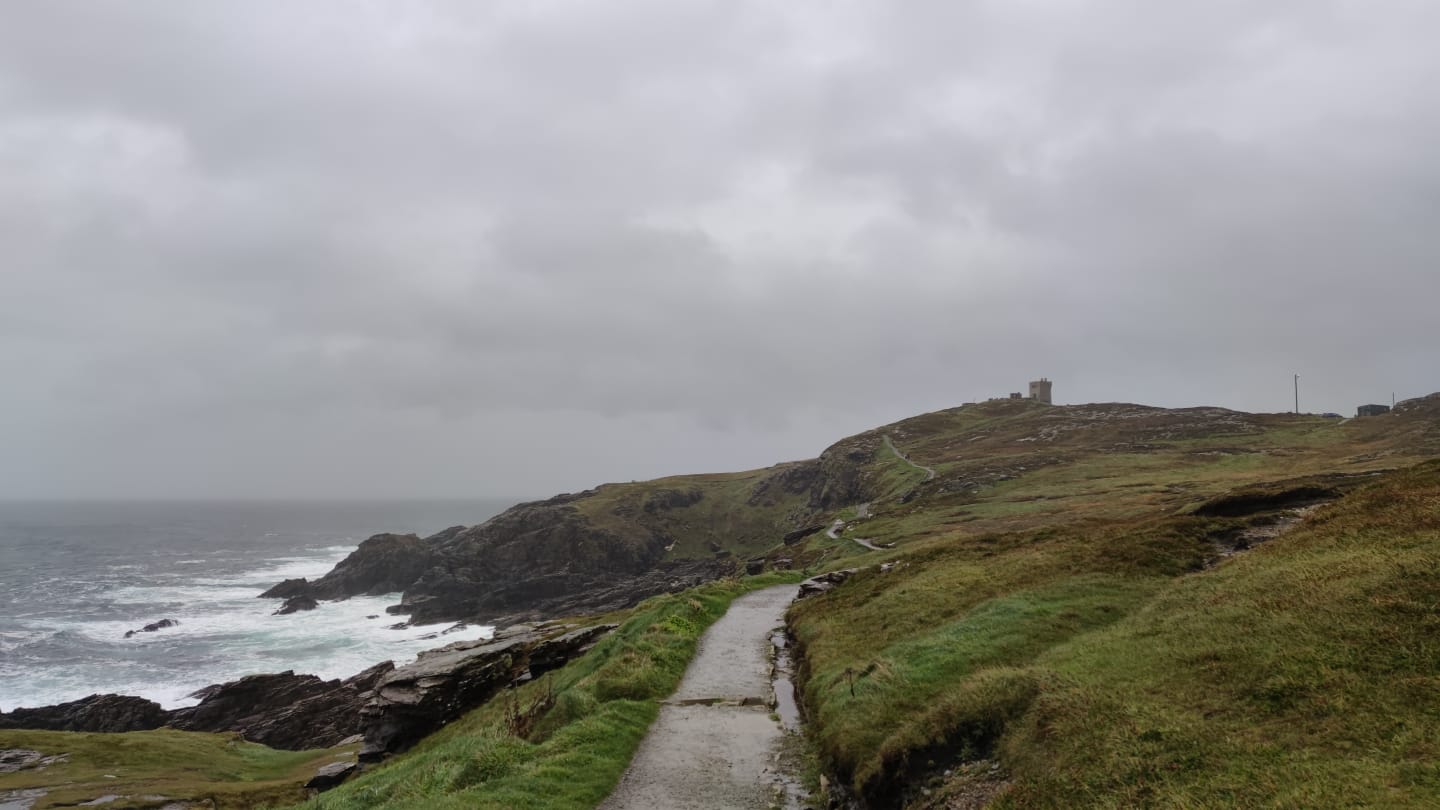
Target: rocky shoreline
[(390, 708)]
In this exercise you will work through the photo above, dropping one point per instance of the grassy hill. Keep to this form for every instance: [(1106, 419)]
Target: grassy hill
[(1005, 465), (1074, 617)]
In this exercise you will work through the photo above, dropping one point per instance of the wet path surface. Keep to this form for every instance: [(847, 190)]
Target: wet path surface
[(714, 744)]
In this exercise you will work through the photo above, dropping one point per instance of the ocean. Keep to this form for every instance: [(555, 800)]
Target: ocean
[(74, 577)]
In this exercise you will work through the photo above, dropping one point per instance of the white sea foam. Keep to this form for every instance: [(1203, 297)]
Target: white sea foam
[(224, 632)]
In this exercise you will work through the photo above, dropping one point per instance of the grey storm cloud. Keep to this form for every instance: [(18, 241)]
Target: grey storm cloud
[(443, 248)]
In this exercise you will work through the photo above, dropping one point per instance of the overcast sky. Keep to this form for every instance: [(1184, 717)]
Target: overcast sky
[(364, 249)]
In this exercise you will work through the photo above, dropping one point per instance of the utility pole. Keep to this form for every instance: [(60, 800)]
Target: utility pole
[(1297, 394)]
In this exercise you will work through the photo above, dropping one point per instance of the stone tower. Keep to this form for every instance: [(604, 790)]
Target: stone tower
[(1040, 390)]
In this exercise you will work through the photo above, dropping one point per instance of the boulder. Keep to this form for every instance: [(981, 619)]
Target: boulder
[(413, 701), (332, 775), (824, 582), (153, 626), (102, 713), (297, 603)]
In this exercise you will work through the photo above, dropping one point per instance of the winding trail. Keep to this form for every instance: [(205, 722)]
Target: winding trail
[(862, 511), (714, 743), (929, 472)]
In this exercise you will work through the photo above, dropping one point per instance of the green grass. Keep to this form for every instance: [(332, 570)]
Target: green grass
[(180, 765), (1303, 674), (577, 749), (1104, 669)]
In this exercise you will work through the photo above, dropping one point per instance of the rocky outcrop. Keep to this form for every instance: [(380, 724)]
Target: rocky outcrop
[(284, 710), (103, 713), (824, 582), (598, 550), (392, 708), (386, 563), (413, 701), (152, 627), (793, 537), (290, 588), (25, 759), (546, 595), (296, 604), (330, 776), (536, 560)]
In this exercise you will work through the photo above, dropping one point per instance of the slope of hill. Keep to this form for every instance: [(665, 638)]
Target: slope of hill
[(1088, 629)]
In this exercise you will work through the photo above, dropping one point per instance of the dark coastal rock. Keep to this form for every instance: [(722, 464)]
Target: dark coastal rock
[(284, 710), (330, 776), (289, 589), (100, 713), (386, 563), (413, 701), (297, 603), (153, 626)]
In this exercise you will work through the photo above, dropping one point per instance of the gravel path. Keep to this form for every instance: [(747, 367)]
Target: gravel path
[(714, 744), (929, 472)]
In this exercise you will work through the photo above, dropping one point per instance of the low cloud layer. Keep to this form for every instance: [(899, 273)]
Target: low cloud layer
[(380, 249)]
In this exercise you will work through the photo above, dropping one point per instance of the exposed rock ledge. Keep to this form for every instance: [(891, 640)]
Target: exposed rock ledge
[(393, 708), (416, 700)]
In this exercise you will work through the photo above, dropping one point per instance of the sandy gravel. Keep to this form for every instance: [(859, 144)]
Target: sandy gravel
[(714, 744)]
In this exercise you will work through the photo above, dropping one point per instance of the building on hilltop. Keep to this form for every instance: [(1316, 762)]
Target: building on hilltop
[(1040, 391), (1372, 410)]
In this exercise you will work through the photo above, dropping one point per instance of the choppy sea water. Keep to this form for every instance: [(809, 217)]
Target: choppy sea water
[(74, 577)]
